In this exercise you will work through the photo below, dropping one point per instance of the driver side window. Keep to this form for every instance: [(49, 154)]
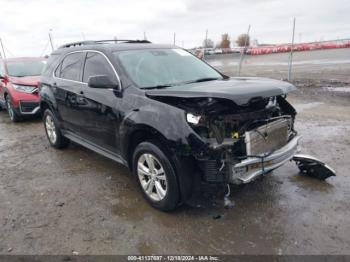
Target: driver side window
[(97, 64)]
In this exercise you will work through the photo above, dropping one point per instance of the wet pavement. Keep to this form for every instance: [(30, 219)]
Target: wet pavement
[(73, 200)]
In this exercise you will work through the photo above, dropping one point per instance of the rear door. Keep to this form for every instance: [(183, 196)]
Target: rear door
[(68, 91), (100, 118)]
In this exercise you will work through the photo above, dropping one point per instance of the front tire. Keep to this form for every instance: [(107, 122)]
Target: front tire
[(53, 131), (11, 111), (156, 176)]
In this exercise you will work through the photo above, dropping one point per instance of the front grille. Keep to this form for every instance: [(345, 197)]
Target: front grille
[(267, 138), (28, 107)]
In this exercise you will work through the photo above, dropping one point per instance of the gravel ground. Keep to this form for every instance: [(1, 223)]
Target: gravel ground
[(73, 200)]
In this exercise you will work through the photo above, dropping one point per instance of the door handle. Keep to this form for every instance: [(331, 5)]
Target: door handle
[(81, 92)]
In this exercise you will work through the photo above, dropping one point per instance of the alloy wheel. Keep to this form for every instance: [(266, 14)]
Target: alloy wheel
[(50, 129), (9, 108), (152, 176)]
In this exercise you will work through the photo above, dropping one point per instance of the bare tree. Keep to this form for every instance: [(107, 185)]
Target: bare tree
[(225, 41), (243, 40), (208, 43)]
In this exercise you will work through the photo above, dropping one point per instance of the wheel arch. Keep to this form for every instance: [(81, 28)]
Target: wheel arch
[(141, 134), (44, 105), (183, 165)]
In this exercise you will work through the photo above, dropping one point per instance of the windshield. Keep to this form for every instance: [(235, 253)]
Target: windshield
[(153, 68), (25, 68)]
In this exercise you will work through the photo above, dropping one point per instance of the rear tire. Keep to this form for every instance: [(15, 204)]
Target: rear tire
[(53, 131), (11, 111), (156, 176)]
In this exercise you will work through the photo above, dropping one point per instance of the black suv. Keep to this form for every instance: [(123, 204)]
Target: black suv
[(171, 118)]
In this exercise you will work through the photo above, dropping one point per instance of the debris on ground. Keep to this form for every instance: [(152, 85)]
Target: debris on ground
[(59, 204), (227, 202), (217, 216)]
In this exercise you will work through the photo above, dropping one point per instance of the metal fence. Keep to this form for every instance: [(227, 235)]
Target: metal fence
[(315, 63)]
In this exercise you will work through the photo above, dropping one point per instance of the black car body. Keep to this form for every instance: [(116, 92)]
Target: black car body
[(218, 130)]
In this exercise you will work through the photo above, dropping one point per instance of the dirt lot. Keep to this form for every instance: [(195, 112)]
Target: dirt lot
[(57, 202)]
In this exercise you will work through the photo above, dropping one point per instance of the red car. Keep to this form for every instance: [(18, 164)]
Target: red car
[(19, 78)]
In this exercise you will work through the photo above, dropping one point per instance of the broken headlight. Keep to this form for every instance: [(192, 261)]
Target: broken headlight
[(193, 119)]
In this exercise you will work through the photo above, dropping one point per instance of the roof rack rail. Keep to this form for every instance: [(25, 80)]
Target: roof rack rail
[(92, 42)]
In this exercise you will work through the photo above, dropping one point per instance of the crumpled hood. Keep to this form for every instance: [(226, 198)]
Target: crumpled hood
[(238, 89), (26, 80)]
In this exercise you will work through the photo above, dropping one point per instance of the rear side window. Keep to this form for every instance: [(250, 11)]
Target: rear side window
[(51, 64), (97, 64), (71, 66)]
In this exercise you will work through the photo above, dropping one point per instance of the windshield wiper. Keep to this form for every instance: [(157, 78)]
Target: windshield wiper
[(204, 79), (157, 87)]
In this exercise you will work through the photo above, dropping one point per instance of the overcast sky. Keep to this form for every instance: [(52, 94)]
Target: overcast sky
[(24, 24)]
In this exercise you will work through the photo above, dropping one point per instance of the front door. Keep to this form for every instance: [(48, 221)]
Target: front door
[(100, 118)]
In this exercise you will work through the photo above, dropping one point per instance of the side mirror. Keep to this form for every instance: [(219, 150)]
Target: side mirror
[(102, 81)]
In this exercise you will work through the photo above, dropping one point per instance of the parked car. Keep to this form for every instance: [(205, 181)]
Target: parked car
[(172, 119), (209, 51), (19, 78), (218, 51)]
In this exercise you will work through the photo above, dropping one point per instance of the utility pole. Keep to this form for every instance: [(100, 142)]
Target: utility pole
[(243, 52), (205, 43), (51, 41), (2, 47), (291, 53), (174, 38)]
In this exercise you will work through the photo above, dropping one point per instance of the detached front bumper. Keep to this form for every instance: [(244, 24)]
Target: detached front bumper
[(252, 167)]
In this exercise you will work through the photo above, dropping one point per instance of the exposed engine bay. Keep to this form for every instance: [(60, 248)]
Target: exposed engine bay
[(242, 141), (222, 123), (233, 132)]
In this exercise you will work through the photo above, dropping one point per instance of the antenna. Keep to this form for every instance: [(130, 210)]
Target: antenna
[(51, 41)]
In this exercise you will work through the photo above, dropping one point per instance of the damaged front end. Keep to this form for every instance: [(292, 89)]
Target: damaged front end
[(244, 133), (240, 142), (244, 142)]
